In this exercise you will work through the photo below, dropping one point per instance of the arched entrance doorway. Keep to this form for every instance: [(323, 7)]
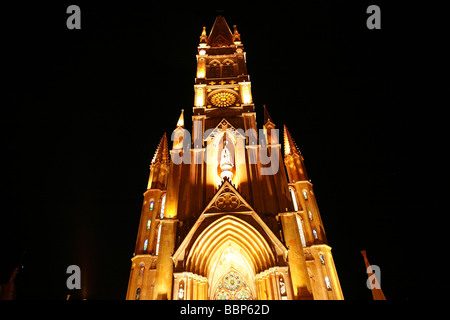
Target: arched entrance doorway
[(232, 277), (229, 253)]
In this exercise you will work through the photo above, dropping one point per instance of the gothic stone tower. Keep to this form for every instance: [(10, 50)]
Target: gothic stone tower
[(220, 218)]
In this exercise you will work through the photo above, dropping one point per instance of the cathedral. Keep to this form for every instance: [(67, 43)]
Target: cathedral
[(229, 212)]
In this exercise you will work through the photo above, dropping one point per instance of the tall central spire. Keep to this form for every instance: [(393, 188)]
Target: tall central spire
[(220, 35)]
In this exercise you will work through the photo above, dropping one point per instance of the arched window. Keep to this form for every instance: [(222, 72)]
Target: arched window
[(181, 290), (163, 206), (159, 237), (328, 283), (294, 199), (214, 69), (305, 194), (310, 215), (151, 205), (300, 230), (228, 69), (141, 270), (145, 244), (149, 223), (315, 234), (282, 287), (322, 259), (138, 294)]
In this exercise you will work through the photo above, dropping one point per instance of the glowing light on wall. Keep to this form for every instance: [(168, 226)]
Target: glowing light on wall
[(287, 147), (158, 239), (246, 95), (201, 68), (200, 95), (180, 122)]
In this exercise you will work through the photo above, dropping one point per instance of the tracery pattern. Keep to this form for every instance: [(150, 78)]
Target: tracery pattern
[(232, 287)]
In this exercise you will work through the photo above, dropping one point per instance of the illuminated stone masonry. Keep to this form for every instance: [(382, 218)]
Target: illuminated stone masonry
[(220, 220)]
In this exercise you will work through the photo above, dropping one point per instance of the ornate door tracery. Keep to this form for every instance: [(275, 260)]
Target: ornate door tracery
[(233, 287)]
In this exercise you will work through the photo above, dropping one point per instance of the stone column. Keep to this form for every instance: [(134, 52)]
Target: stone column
[(190, 287), (275, 285), (164, 264), (297, 262), (268, 287), (262, 288), (195, 291)]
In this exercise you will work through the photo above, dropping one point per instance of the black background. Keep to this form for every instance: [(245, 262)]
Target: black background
[(83, 112)]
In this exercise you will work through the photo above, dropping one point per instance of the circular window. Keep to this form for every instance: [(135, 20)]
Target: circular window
[(223, 98)]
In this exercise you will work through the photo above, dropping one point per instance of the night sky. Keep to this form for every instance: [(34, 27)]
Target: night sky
[(83, 112)]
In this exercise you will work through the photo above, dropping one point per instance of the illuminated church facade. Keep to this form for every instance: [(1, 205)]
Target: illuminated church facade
[(229, 214)]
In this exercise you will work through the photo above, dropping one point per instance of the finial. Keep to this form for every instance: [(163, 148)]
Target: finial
[(203, 37), (180, 122), (236, 36)]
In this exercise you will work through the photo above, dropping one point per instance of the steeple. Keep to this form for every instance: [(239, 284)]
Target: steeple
[(271, 136), (267, 117), (293, 159), (162, 152), (159, 167), (220, 35), (289, 145)]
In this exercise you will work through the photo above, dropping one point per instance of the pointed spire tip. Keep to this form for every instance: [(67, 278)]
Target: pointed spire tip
[(289, 144), (267, 116), (162, 152), (180, 122)]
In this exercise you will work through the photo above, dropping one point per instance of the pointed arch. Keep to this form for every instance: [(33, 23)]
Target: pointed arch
[(282, 286), (213, 70), (214, 139), (228, 68), (227, 62), (230, 244), (214, 62), (181, 290), (163, 206), (220, 234)]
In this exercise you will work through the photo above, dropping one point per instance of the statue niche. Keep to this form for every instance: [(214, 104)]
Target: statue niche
[(226, 160)]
